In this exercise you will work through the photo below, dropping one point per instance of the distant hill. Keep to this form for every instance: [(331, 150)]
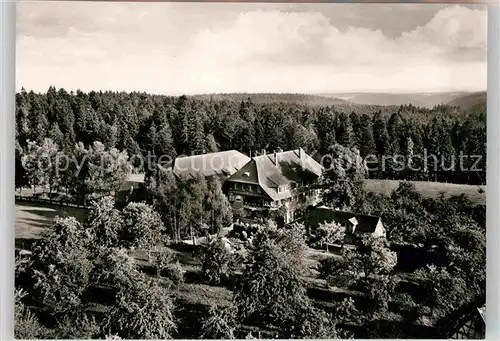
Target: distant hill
[(469, 101), (426, 100), (262, 98)]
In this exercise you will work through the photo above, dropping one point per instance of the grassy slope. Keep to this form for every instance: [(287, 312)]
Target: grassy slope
[(32, 218), (430, 189)]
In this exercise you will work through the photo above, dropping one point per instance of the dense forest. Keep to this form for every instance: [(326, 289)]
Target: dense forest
[(452, 141)]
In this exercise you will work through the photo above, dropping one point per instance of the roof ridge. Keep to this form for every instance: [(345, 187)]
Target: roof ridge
[(348, 212), (205, 154)]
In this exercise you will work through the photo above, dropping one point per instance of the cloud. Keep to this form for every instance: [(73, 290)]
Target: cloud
[(306, 51), (178, 48)]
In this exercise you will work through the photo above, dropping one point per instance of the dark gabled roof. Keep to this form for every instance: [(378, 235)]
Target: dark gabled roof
[(319, 215), (277, 169), (222, 164), (247, 174)]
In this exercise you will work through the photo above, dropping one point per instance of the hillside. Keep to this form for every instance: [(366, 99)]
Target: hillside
[(427, 100), (264, 98), (467, 102)]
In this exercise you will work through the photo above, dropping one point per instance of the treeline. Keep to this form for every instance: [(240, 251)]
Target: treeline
[(160, 125)]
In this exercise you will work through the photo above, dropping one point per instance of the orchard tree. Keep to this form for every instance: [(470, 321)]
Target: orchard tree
[(143, 311), (217, 262), (270, 288), (290, 240), (375, 257), (444, 292), (115, 268), (162, 194), (61, 265), (329, 233), (343, 271), (105, 222), (163, 260), (344, 177), (142, 227), (218, 210), (371, 257), (42, 163), (191, 205), (378, 290), (467, 259), (107, 170)]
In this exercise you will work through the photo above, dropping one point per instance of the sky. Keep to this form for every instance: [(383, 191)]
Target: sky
[(192, 48)]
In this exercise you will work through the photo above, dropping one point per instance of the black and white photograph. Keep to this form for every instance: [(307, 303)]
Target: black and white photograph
[(197, 170)]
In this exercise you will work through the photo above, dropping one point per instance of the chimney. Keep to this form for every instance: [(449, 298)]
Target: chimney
[(354, 223), (263, 152), (301, 157), (276, 153)]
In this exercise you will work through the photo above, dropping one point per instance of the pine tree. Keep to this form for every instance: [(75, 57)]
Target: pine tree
[(38, 124), (210, 144), (344, 132), (56, 135), (367, 141)]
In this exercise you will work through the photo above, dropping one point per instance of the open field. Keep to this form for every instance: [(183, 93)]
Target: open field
[(430, 189), (32, 218)]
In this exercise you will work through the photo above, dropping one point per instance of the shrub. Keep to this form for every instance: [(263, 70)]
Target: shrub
[(311, 323), (220, 323), (163, 259), (408, 308), (76, 326), (175, 273), (142, 311), (26, 323), (378, 290)]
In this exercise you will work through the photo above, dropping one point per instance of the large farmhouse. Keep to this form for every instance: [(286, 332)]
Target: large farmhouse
[(284, 182), (221, 164)]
